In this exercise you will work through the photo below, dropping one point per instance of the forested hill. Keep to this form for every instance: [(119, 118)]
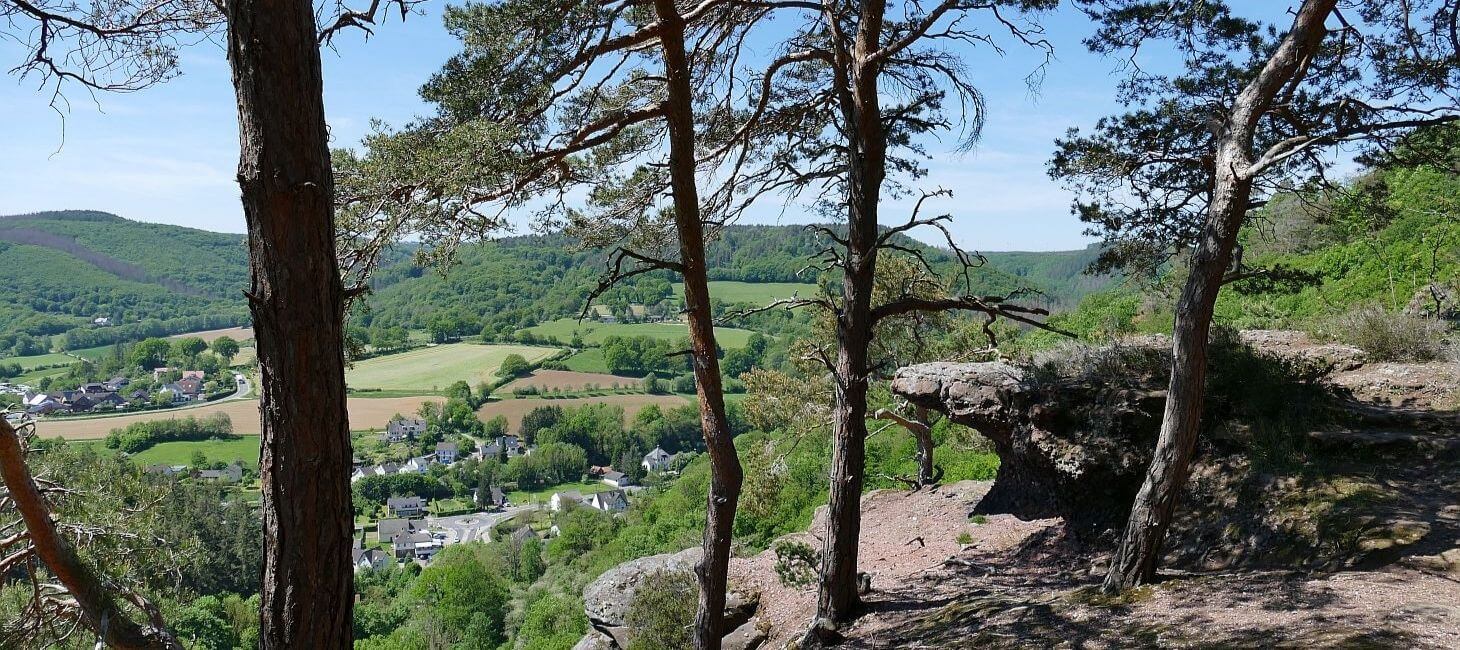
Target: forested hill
[(519, 282), (1061, 274), (65, 269)]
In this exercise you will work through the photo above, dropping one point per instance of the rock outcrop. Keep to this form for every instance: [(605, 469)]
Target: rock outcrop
[(608, 599), (1070, 448)]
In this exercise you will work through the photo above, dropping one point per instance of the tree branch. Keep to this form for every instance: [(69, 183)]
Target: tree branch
[(98, 606)]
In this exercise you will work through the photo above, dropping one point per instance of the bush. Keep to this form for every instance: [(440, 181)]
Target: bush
[(1391, 337), (796, 563), (662, 612)]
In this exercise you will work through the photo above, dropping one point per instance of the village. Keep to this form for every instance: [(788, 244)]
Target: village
[(409, 531)]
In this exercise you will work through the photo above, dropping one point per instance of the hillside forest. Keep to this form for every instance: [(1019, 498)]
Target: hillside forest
[(383, 418)]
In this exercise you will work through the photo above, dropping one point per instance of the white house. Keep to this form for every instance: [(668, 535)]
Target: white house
[(611, 501), (446, 452), (656, 461), (405, 506), (616, 478), (418, 465), (560, 500), (404, 429), (365, 559)]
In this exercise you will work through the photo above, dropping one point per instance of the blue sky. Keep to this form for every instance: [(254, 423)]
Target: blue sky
[(167, 154)]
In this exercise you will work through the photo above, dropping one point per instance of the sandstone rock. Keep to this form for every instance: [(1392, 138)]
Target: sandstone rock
[(748, 636), (1071, 448), (594, 640), (607, 600)]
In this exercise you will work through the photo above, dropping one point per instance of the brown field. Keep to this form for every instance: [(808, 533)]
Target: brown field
[(514, 409), (569, 380), (239, 334), (364, 414)]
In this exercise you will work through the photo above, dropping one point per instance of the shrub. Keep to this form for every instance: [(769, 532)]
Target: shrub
[(1391, 337), (796, 563), (662, 612)]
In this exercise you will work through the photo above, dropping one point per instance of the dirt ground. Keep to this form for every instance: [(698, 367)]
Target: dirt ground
[(239, 334), (514, 409), (365, 413), (1024, 584)]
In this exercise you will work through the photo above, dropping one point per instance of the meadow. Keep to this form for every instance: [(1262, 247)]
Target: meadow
[(756, 293), (244, 449), (541, 497), (432, 369), (594, 332)]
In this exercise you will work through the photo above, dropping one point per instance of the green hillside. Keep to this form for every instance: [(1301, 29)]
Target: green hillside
[(66, 269), (1060, 274), (519, 282)]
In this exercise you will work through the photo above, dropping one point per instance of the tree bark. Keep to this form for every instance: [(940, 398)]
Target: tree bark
[(296, 299), (100, 611), (1136, 559), (726, 477), (838, 600)]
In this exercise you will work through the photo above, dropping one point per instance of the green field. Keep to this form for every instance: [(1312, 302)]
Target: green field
[(757, 293), (587, 360), (594, 332), (521, 498), (51, 359), (244, 449), (430, 369)]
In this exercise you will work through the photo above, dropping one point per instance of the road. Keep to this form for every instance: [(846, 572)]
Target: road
[(476, 526)]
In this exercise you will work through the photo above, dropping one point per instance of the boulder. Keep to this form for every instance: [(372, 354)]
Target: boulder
[(748, 636), (607, 600), (595, 640)]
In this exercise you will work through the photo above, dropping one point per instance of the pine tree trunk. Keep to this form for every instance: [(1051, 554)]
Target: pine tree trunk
[(726, 477), (296, 299), (1136, 559), (838, 600)]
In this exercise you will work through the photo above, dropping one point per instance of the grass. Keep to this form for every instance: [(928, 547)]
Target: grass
[(594, 332), (589, 360), (522, 498), (34, 377), (33, 361), (434, 368), (758, 293), (242, 448)]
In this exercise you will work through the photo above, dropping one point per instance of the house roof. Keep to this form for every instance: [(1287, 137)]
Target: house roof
[(405, 502), (446, 446), (615, 500), (523, 533), (657, 454), (571, 495), (388, 528), (613, 475)]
